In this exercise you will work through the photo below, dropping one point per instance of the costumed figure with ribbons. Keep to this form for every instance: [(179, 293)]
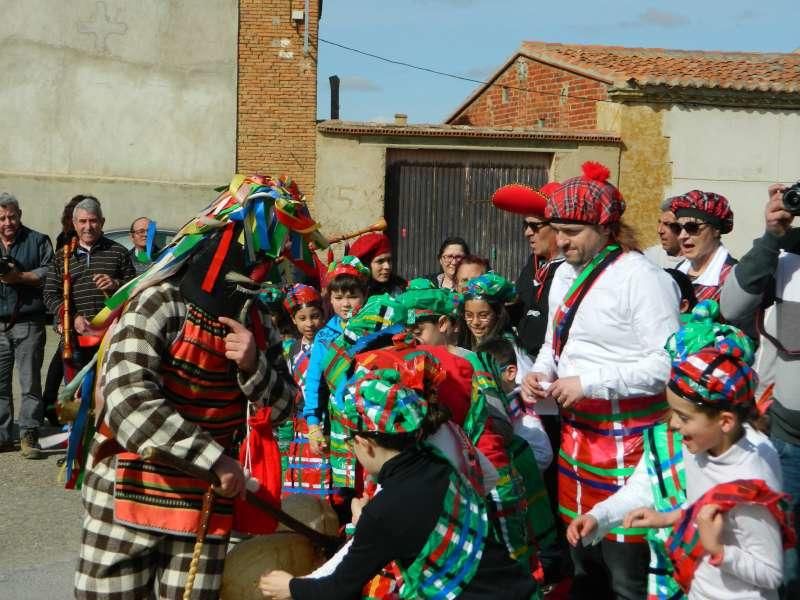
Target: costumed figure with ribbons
[(727, 539), (188, 358), (603, 362), (471, 392), (659, 481), (429, 516)]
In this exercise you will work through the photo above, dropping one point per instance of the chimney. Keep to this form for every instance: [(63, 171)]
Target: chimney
[(334, 82), (400, 119)]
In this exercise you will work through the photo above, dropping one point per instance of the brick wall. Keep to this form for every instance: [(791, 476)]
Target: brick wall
[(277, 105), (505, 104)]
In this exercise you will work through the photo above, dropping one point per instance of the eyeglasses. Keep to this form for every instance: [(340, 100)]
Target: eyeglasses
[(138, 231), (534, 226), (452, 257), (691, 228)]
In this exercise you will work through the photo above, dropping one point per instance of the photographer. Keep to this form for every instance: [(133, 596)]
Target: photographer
[(770, 274), (25, 257)]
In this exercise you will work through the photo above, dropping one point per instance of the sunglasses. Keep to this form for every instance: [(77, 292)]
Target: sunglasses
[(691, 228), (534, 226)]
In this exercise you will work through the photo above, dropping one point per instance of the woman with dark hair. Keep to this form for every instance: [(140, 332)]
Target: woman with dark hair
[(429, 517), (451, 253), (375, 251)]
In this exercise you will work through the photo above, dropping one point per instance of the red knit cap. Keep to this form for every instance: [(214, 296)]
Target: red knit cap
[(589, 198), (520, 199), (708, 206), (370, 245)]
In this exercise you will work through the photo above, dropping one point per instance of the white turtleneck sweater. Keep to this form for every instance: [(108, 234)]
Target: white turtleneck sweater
[(753, 557)]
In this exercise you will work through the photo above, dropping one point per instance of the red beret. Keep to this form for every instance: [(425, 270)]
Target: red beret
[(708, 206), (589, 198), (521, 199), (370, 245)]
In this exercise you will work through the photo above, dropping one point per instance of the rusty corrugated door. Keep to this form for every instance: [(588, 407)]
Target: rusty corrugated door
[(432, 195)]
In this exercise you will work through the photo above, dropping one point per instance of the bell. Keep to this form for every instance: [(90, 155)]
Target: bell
[(250, 559)]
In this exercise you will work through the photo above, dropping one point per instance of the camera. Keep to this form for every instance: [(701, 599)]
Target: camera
[(6, 265), (791, 199)]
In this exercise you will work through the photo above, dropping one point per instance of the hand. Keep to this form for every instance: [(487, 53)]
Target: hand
[(240, 346), (231, 477), (709, 525), (104, 283), (778, 219), (356, 505), (13, 277), (318, 445), (275, 585), (647, 518), (566, 391), (582, 527), (81, 324), (531, 390)]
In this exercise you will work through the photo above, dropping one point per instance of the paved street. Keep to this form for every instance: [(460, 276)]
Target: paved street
[(39, 524)]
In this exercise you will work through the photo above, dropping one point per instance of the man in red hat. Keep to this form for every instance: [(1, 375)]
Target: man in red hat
[(374, 250), (533, 284), (603, 362)]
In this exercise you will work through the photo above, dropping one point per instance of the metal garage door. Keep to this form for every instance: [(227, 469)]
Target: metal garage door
[(432, 195)]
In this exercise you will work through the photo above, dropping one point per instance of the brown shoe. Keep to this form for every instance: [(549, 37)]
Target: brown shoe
[(29, 445)]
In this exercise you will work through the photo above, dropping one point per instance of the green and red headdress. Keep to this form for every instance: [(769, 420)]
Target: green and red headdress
[(491, 287), (347, 265), (423, 299), (382, 404), (711, 362), (299, 296)]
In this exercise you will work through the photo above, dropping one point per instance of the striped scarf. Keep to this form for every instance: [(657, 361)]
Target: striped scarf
[(663, 456), (565, 313), (684, 545)]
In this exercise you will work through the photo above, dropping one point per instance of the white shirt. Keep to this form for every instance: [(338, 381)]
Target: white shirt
[(616, 343), (752, 563)]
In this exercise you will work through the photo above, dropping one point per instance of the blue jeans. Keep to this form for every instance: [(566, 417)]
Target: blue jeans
[(22, 347), (790, 465)]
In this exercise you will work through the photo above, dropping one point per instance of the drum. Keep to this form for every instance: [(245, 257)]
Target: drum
[(250, 559), (315, 512)]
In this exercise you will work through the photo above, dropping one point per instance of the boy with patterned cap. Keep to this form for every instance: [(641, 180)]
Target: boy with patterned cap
[(429, 517), (346, 284), (470, 390), (658, 484), (702, 218), (604, 364)]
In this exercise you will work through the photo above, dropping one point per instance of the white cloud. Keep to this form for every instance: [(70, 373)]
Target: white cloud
[(356, 83), (654, 17)]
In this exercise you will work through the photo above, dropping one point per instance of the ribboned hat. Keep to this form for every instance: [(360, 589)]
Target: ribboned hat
[(347, 265), (422, 299), (370, 245), (711, 361), (300, 295), (490, 287), (588, 198), (712, 208), (382, 404)]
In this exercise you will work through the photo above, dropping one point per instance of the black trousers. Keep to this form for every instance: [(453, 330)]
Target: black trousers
[(610, 570)]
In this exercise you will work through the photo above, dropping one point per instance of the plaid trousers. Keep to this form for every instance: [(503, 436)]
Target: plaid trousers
[(117, 562)]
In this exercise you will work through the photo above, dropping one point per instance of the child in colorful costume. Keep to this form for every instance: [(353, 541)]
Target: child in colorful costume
[(303, 472), (429, 517), (346, 288), (184, 359), (485, 418), (659, 481)]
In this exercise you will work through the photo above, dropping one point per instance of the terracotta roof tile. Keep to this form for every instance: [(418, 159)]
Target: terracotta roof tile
[(676, 68)]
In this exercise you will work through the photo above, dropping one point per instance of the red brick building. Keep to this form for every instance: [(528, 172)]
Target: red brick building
[(277, 88)]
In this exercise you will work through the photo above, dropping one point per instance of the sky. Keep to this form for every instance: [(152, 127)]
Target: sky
[(472, 38)]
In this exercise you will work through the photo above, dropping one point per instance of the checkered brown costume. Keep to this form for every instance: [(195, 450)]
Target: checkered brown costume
[(121, 561)]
